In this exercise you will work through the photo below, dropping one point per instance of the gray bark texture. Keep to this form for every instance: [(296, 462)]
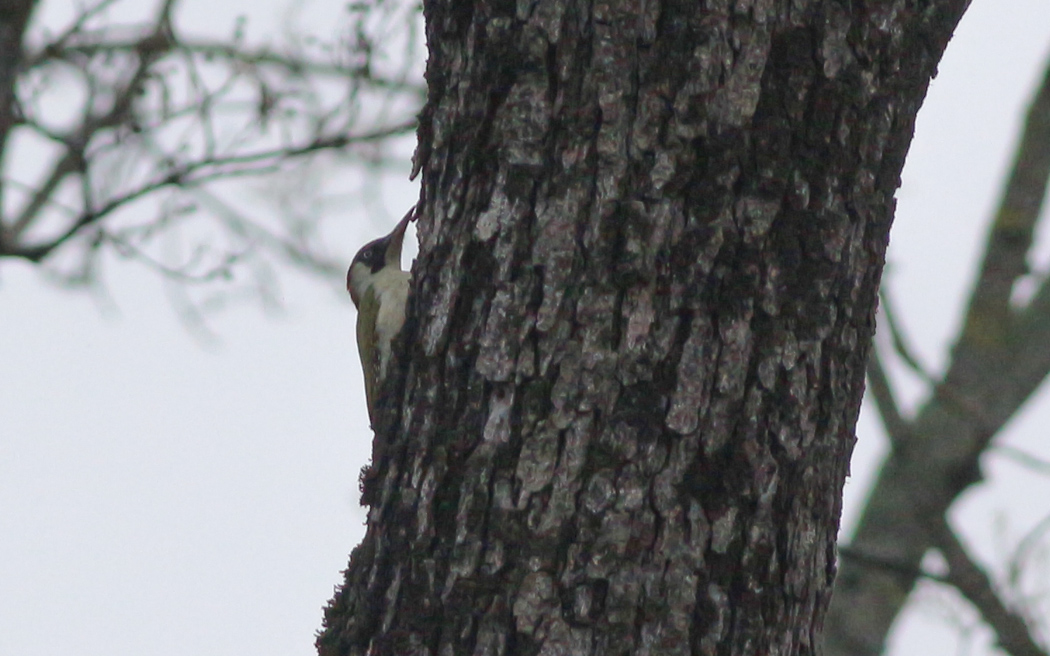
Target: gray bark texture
[(651, 237)]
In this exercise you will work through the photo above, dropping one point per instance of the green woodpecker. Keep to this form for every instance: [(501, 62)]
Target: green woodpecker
[(379, 289)]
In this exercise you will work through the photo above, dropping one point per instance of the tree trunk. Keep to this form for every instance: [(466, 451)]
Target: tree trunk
[(650, 245)]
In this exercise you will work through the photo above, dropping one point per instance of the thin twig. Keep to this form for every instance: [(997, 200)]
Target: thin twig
[(197, 173), (1021, 457), (74, 28), (900, 344), (1025, 547), (878, 562), (1011, 629), (898, 429), (181, 273)]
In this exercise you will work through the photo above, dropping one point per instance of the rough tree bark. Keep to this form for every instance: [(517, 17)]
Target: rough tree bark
[(651, 239)]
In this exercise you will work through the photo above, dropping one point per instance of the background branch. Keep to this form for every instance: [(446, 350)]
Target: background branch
[(163, 115), (1013, 633)]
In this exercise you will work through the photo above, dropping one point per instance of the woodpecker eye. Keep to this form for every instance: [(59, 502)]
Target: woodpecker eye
[(372, 255)]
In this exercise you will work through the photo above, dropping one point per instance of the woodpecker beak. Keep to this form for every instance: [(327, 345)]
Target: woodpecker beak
[(397, 238)]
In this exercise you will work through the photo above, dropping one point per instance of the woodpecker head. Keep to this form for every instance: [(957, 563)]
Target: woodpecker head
[(374, 257)]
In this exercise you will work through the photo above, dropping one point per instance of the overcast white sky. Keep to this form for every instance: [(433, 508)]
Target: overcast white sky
[(159, 498)]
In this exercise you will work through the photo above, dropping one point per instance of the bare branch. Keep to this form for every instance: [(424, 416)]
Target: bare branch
[(75, 28), (162, 114), (184, 273), (949, 391), (197, 173), (13, 22), (1021, 457), (900, 344), (1013, 633), (1026, 546), (292, 114), (897, 427), (887, 564), (989, 315), (73, 160), (248, 57), (240, 224)]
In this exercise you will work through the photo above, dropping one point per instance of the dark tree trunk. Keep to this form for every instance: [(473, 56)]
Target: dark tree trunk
[(651, 240)]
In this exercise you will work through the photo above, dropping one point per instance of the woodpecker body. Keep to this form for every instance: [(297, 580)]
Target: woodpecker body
[(379, 289)]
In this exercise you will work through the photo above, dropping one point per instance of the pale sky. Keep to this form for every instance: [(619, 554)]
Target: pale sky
[(161, 498)]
